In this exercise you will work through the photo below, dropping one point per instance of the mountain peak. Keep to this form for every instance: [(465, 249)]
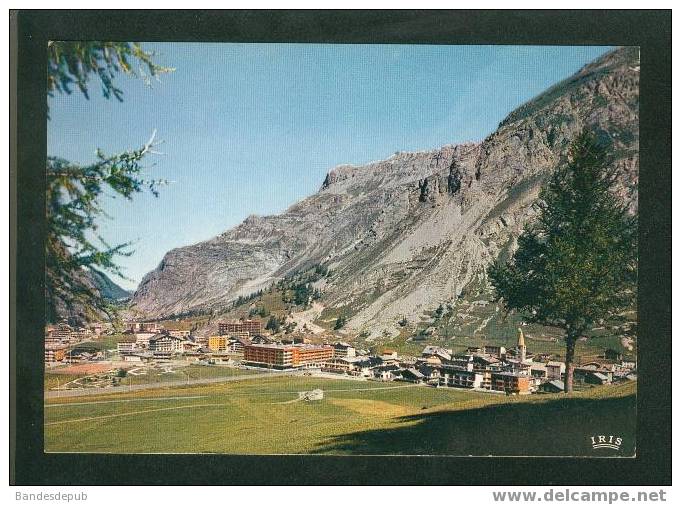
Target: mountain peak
[(407, 233)]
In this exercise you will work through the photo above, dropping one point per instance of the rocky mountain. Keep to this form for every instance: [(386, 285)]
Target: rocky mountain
[(405, 234)]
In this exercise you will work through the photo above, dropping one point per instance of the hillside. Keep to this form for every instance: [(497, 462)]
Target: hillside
[(405, 235), (108, 288)]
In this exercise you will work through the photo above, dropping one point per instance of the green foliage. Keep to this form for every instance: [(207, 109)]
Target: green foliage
[(340, 322), (73, 206), (74, 191), (302, 294), (551, 137), (273, 325), (241, 300), (577, 263), (72, 63)]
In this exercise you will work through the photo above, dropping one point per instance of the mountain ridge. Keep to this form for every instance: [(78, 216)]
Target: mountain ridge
[(407, 233)]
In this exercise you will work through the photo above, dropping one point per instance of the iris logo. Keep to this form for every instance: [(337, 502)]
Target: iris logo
[(606, 442)]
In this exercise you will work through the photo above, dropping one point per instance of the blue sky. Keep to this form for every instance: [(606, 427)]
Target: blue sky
[(252, 128)]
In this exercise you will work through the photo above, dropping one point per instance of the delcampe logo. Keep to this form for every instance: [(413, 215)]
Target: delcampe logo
[(606, 442)]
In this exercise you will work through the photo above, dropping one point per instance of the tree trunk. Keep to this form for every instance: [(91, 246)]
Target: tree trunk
[(570, 341)]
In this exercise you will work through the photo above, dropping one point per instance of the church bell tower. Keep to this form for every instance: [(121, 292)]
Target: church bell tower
[(522, 350)]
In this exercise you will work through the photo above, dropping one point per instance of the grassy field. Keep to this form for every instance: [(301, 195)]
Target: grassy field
[(53, 380), (263, 416), (104, 342), (157, 374)]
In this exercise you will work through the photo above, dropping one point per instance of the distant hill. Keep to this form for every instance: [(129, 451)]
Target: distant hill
[(108, 288)]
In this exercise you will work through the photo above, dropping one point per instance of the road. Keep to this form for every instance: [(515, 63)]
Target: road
[(160, 385)]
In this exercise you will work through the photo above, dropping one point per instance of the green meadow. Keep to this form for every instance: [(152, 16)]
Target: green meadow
[(264, 416), (151, 375)]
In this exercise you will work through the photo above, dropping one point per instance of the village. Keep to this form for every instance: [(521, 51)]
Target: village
[(243, 344)]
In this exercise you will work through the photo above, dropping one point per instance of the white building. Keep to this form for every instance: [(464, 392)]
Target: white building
[(142, 338), (126, 347), (179, 333), (164, 343)]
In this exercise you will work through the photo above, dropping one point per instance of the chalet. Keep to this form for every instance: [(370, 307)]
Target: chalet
[(138, 357), (463, 361), (587, 370), (188, 346), (261, 339), (444, 355), (483, 362), (554, 386), (343, 350), (386, 372), (339, 365), (431, 373), (362, 366), (555, 370), (597, 378), (412, 375), (495, 350), (538, 370), (164, 343)]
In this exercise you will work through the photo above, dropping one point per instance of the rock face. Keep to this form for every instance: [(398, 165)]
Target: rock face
[(405, 234)]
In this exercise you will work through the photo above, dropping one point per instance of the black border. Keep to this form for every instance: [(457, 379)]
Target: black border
[(651, 30)]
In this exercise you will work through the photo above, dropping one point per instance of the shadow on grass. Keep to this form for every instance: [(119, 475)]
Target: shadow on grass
[(560, 427)]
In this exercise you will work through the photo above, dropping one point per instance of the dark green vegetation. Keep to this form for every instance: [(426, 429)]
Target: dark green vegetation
[(74, 193), (576, 264), (292, 293), (263, 416)]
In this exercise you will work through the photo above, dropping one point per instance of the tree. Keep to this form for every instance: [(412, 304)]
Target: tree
[(301, 294), (73, 195), (72, 208), (340, 322), (72, 63), (273, 325), (577, 263)]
